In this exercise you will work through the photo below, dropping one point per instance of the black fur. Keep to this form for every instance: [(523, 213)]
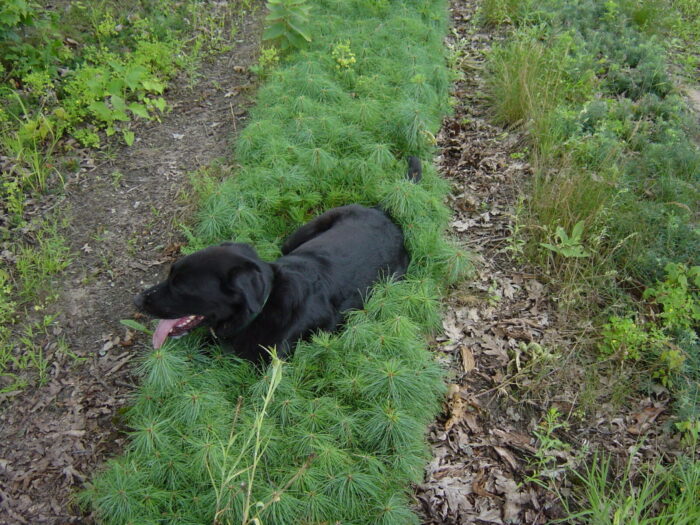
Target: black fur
[(326, 269)]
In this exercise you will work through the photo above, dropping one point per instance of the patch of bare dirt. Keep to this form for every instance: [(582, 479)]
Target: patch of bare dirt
[(512, 354), (123, 211)]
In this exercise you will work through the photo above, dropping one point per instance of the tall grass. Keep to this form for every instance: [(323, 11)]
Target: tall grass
[(595, 98), (342, 437), (656, 495)]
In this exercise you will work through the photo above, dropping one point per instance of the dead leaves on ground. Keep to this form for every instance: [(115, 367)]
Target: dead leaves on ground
[(503, 338)]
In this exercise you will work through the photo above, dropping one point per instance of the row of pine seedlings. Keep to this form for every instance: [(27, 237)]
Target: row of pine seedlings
[(336, 434)]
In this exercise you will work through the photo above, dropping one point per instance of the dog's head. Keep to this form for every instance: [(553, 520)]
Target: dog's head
[(224, 287)]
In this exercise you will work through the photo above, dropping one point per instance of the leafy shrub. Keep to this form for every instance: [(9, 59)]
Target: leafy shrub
[(287, 24), (669, 343)]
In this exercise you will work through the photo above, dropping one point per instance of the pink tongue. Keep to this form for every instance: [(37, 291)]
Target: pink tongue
[(162, 331)]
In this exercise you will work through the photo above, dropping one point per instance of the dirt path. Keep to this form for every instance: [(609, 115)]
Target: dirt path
[(476, 466), (123, 229)]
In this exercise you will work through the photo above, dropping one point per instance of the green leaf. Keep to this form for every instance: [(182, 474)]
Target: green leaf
[(116, 87), (130, 323), (159, 103), (134, 76), (273, 32), (154, 86), (119, 106), (577, 232), (299, 31), (128, 137), (100, 110), (139, 109)]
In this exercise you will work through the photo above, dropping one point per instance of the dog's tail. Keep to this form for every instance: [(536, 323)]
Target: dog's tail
[(415, 170)]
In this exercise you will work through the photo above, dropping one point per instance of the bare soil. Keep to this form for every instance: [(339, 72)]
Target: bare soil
[(124, 207)]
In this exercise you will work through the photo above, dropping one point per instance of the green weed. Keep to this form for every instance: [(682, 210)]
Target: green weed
[(568, 245), (498, 12), (37, 263), (86, 70), (544, 463), (657, 494), (287, 24), (624, 160), (269, 59), (668, 343)]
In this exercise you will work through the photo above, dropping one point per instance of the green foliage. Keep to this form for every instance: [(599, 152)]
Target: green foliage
[(343, 55), (267, 61), (80, 69), (668, 343), (37, 263), (592, 89), (657, 494), (498, 12), (287, 24), (544, 460), (625, 339), (341, 436), (679, 297), (83, 70), (568, 246)]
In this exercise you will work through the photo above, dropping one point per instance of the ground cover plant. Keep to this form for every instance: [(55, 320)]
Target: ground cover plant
[(335, 434), (611, 214), (74, 76)]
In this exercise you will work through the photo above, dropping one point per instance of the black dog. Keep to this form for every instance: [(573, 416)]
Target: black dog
[(327, 267)]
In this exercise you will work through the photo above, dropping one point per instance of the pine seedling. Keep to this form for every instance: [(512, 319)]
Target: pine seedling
[(118, 493), (345, 427), (352, 490), (456, 263), (213, 219), (360, 334), (393, 510), (381, 156), (163, 368), (277, 505), (420, 299), (150, 436), (317, 506), (366, 113), (321, 407), (394, 381), (401, 326), (409, 463), (193, 404), (166, 469), (413, 128), (318, 160)]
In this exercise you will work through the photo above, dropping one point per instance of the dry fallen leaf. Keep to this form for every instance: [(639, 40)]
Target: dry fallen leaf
[(456, 406), (468, 362), (642, 420), (505, 454)]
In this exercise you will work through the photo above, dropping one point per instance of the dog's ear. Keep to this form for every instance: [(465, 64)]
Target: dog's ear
[(249, 281), (241, 248)]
